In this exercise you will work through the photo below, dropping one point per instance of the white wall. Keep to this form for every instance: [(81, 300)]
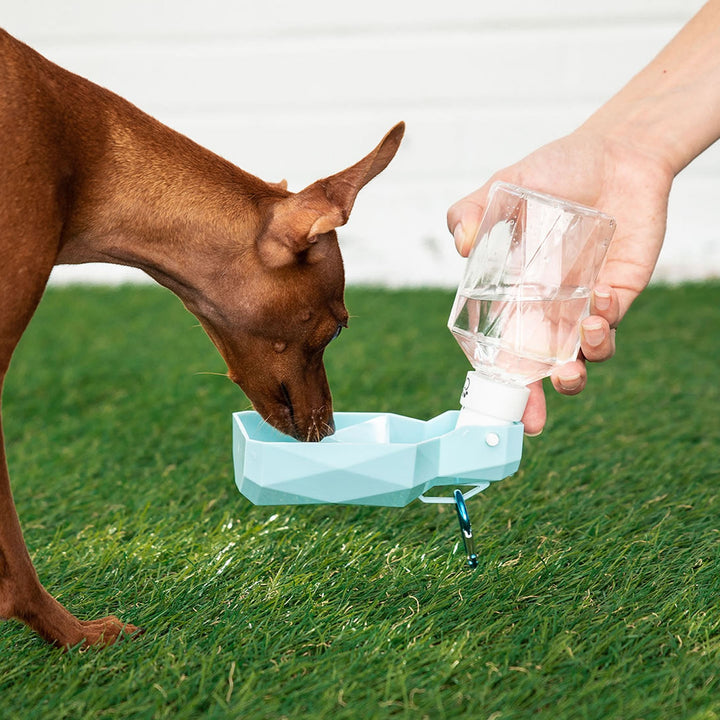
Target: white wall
[(299, 90)]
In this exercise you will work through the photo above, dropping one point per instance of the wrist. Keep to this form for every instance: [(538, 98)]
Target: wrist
[(670, 110), (661, 128)]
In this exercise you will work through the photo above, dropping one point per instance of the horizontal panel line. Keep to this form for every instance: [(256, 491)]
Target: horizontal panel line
[(400, 33)]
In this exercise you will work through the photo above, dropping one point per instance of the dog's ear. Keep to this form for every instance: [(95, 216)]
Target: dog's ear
[(298, 220)]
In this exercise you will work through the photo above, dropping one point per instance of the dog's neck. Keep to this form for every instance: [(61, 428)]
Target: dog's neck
[(151, 198)]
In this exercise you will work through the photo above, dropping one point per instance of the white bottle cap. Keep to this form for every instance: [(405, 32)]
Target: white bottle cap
[(486, 401)]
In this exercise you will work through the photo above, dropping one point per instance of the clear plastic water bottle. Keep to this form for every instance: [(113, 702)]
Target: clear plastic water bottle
[(525, 290)]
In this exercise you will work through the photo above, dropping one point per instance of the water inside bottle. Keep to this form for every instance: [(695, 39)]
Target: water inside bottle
[(518, 334)]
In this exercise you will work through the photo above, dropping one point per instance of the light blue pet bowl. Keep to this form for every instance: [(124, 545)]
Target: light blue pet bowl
[(372, 459)]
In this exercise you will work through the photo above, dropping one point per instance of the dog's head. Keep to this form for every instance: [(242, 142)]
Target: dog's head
[(289, 303)]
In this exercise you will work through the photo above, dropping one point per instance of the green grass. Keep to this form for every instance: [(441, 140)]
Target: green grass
[(597, 594)]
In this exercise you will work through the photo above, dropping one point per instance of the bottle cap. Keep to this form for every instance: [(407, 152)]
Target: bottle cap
[(486, 401)]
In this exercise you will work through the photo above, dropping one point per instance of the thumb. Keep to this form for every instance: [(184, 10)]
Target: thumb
[(536, 411)]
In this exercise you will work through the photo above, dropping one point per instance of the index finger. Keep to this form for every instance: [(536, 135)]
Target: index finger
[(463, 219)]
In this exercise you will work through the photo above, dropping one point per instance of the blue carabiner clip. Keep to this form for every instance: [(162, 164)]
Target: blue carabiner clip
[(466, 529)]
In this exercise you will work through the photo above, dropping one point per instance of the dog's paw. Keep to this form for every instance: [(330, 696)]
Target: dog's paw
[(107, 631)]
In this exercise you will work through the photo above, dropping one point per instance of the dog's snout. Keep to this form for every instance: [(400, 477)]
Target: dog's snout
[(311, 427)]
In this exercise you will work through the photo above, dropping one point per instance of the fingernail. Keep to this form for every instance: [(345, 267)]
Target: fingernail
[(569, 382), (459, 235), (601, 300), (593, 333), (533, 435)]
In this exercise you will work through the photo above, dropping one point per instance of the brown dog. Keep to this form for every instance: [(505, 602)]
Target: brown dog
[(85, 176)]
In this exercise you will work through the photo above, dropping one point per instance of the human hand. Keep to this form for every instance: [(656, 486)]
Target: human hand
[(625, 181)]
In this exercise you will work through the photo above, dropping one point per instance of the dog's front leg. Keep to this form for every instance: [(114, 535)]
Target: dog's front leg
[(23, 275), (23, 597)]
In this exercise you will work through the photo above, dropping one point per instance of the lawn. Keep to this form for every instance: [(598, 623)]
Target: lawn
[(597, 593)]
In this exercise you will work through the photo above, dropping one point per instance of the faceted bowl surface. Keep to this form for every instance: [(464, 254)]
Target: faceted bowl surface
[(372, 459)]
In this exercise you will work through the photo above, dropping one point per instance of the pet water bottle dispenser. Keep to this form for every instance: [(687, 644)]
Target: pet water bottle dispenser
[(525, 290), (517, 315)]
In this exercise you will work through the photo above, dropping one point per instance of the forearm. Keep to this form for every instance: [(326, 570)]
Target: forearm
[(671, 109)]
